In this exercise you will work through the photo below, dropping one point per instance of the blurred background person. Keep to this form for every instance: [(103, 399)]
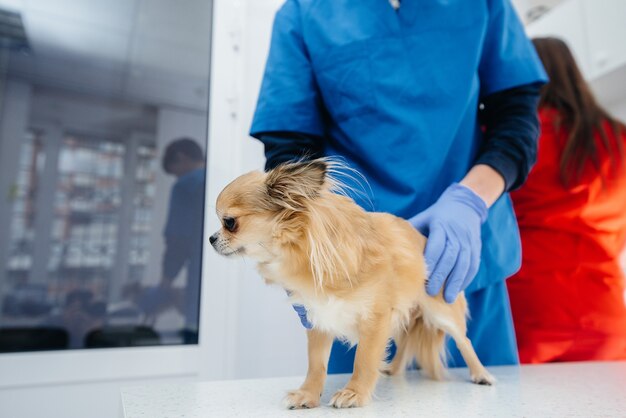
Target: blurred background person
[(184, 159), (568, 299)]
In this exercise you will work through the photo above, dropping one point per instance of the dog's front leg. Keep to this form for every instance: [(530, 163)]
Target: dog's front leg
[(308, 396), (373, 337)]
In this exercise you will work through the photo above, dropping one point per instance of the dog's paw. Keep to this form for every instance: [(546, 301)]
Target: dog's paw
[(301, 399), (348, 398), (483, 378)]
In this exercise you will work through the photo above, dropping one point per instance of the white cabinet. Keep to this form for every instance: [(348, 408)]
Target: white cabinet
[(606, 34), (595, 30), (567, 22)]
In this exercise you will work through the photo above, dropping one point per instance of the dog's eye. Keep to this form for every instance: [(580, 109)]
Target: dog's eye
[(229, 223)]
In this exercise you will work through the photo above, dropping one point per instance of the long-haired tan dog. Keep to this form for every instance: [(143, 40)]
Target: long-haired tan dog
[(360, 275)]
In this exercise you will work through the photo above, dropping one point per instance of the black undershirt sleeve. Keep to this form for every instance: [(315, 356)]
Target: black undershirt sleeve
[(281, 147), (511, 131)]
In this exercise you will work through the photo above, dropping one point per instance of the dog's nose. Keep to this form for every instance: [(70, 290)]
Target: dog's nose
[(213, 238)]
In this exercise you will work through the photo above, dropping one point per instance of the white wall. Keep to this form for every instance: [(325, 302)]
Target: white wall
[(619, 110), (594, 32)]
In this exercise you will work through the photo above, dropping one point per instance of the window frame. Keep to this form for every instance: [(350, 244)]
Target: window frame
[(218, 308)]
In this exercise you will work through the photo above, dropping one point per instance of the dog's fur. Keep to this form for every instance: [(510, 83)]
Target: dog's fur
[(361, 276)]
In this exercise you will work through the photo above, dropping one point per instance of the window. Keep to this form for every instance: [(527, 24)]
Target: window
[(103, 136)]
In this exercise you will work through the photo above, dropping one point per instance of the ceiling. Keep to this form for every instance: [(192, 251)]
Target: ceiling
[(151, 51), (532, 9)]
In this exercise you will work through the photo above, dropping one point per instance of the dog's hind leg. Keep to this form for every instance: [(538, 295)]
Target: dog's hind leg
[(478, 372)]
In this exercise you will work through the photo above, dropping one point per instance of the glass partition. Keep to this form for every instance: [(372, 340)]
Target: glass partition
[(103, 135)]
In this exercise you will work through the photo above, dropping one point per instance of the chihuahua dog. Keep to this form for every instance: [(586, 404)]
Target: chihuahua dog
[(360, 275)]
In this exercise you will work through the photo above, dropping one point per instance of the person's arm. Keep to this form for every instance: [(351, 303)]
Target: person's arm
[(282, 147), (453, 223), (487, 183), (508, 65), (509, 147), (289, 117)]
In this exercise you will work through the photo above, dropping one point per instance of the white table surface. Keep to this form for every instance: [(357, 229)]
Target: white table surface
[(553, 390)]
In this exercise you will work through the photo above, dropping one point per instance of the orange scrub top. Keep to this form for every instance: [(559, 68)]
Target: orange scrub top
[(568, 299)]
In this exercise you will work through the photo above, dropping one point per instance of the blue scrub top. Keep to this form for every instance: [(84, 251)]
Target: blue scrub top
[(396, 94)]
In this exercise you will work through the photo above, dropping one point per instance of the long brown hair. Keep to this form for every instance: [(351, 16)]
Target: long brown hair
[(580, 113)]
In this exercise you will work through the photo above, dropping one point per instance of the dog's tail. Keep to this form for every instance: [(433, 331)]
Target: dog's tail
[(426, 344)]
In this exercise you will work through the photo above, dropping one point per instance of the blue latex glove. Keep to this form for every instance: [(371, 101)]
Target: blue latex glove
[(301, 313), (452, 225)]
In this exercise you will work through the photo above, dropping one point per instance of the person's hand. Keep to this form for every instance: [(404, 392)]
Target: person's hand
[(452, 225), (301, 311), (302, 314)]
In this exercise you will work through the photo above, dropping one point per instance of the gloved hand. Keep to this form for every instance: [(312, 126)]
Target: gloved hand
[(301, 313), (452, 225)]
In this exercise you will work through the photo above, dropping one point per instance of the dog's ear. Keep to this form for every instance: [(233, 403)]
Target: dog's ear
[(291, 185)]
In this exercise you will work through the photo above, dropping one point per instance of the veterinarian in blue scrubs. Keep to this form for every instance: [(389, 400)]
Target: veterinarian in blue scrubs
[(434, 102)]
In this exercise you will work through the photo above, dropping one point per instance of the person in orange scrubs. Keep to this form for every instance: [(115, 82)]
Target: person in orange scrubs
[(568, 299)]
